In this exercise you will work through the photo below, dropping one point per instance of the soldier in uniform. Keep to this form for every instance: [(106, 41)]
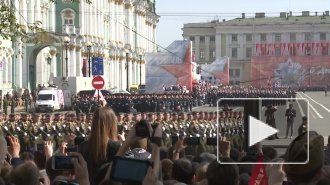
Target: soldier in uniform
[(23, 129), (76, 106), (174, 125), (5, 105), (47, 129), (34, 130), (81, 125), (58, 131), (120, 118), (137, 117), (9, 127)]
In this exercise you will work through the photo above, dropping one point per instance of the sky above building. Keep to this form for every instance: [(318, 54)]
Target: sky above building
[(175, 13)]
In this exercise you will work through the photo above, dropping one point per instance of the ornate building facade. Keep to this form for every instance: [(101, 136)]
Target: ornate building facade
[(113, 27)]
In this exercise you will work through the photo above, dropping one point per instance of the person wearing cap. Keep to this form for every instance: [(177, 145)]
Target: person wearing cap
[(83, 124), (23, 129), (9, 127), (174, 125), (5, 105), (47, 131), (167, 107), (58, 131), (34, 130), (120, 118), (76, 105), (297, 152), (131, 108), (137, 117)]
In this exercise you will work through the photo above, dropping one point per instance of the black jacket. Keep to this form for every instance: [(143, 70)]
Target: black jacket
[(94, 167)]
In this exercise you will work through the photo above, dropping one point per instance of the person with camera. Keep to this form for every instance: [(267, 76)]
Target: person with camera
[(102, 143), (270, 119), (290, 113)]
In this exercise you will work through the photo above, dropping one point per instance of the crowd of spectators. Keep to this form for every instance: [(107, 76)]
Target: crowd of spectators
[(93, 161)]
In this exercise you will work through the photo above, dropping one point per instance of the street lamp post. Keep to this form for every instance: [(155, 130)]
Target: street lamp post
[(127, 52), (49, 61), (140, 55), (89, 46), (66, 42)]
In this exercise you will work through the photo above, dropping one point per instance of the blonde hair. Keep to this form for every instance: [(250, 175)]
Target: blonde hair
[(103, 128)]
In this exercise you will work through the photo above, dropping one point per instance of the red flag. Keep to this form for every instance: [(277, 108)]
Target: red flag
[(269, 48), (327, 48), (84, 68), (274, 46), (259, 176), (261, 50), (322, 45), (289, 49), (298, 45), (280, 49), (257, 47), (293, 46), (317, 48), (312, 52)]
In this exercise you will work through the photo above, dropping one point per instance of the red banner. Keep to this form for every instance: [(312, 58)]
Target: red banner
[(259, 176), (257, 47), (322, 45), (274, 46), (291, 71), (84, 68)]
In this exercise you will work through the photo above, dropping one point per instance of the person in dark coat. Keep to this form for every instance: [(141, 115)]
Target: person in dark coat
[(132, 109)]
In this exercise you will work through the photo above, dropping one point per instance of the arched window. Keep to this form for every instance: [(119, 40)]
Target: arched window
[(68, 16)]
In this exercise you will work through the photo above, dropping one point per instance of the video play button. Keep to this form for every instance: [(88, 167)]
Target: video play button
[(259, 131)]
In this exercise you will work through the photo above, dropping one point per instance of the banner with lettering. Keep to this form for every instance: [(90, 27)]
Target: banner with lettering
[(290, 71)]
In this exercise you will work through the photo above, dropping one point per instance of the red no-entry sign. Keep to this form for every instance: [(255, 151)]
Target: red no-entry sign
[(98, 82)]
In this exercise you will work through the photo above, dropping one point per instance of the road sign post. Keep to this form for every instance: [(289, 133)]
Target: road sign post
[(98, 83)]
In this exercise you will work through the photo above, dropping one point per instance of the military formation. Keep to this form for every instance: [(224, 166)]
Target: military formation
[(142, 103), (36, 128), (202, 125)]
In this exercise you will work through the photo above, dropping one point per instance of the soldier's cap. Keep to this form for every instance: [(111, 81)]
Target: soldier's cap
[(150, 114), (72, 114), (48, 115), (11, 115), (90, 114), (135, 114), (23, 114), (159, 113), (193, 112), (120, 114), (36, 115), (57, 114), (298, 152), (188, 113), (174, 113), (82, 114), (201, 112)]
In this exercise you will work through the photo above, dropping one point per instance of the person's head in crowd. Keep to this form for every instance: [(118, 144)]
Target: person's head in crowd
[(82, 117), (198, 159), (166, 116), (201, 115), (174, 116), (195, 115), (269, 152), (26, 157), (166, 169), (222, 114), (12, 117), (151, 117), (73, 117), (25, 174), (234, 154), (69, 139), (208, 157), (183, 171), (40, 159), (143, 115), (120, 117), (297, 151), (160, 116), (183, 116), (23, 117), (57, 117), (43, 117), (137, 117), (90, 117), (6, 170), (49, 118), (103, 128), (201, 171), (222, 174), (189, 116), (240, 114), (244, 179)]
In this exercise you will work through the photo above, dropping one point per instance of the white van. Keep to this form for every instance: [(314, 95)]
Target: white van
[(49, 100)]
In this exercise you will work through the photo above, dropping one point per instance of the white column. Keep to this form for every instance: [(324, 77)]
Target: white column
[(72, 61), (5, 70), (218, 45), (19, 66), (37, 12), (10, 69), (133, 72), (123, 75), (54, 62), (228, 46), (79, 62)]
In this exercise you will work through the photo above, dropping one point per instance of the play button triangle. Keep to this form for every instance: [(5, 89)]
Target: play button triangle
[(259, 131)]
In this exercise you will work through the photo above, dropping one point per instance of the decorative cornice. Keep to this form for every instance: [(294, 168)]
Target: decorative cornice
[(53, 52), (128, 6), (71, 47), (78, 48)]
